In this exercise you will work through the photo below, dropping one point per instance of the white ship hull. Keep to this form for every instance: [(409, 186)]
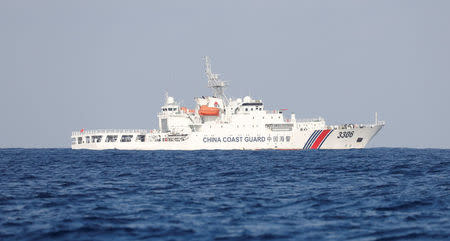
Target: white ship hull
[(347, 138), (218, 122)]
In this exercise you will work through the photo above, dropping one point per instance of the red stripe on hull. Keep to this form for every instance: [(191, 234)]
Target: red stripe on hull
[(320, 139)]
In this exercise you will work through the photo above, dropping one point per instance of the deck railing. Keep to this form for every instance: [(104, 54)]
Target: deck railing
[(355, 126), (112, 131)]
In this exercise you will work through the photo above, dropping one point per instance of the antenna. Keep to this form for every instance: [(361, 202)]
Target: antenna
[(218, 86)]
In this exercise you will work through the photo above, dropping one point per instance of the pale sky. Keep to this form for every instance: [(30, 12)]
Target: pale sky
[(67, 65)]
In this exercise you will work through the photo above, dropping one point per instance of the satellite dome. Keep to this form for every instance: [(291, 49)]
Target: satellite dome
[(247, 99), (239, 100), (170, 100)]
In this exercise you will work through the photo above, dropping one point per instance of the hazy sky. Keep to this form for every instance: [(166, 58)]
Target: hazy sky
[(67, 65)]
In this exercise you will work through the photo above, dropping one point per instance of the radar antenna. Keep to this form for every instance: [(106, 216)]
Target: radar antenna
[(218, 86)]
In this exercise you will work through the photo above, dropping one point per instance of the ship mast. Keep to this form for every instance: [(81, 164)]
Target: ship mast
[(218, 86)]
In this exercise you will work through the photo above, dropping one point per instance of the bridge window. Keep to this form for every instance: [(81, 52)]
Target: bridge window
[(111, 138), (288, 138), (80, 140), (88, 139), (281, 138)]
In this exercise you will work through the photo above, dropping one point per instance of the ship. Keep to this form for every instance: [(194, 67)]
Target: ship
[(221, 123)]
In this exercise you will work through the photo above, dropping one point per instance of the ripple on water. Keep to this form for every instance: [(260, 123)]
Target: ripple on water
[(371, 194)]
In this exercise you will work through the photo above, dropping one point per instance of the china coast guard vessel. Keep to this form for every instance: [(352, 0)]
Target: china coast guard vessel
[(218, 122)]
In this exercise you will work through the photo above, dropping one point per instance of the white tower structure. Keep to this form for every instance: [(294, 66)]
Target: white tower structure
[(218, 86)]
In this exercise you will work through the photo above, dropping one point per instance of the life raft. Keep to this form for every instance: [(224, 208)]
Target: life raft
[(208, 111)]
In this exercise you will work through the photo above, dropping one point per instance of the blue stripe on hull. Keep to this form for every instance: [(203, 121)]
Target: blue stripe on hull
[(316, 134), (309, 140), (315, 138)]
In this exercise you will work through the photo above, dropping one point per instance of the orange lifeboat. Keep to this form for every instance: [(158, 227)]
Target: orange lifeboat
[(208, 111)]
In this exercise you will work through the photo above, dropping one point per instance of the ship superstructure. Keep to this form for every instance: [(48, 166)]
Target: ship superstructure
[(218, 122)]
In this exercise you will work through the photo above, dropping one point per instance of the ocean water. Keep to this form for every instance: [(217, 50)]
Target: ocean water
[(369, 194)]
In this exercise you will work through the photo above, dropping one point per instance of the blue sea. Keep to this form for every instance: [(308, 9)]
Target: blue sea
[(368, 194)]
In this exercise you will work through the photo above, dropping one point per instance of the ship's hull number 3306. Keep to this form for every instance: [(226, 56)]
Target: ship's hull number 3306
[(345, 134)]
